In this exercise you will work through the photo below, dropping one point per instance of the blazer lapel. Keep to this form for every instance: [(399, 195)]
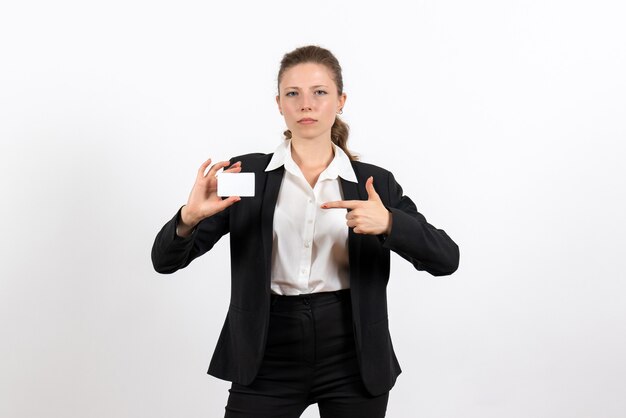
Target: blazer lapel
[(351, 192), (270, 196)]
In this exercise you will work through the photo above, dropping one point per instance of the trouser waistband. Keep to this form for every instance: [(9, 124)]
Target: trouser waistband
[(286, 303)]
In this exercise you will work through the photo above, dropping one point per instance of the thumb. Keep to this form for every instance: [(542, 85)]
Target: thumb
[(369, 186)]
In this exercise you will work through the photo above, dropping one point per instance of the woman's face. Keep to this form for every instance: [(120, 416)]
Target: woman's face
[(309, 101)]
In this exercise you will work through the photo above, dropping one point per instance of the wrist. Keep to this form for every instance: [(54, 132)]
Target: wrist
[(389, 223), (187, 219)]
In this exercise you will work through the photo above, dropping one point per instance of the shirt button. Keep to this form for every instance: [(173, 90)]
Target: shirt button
[(307, 244)]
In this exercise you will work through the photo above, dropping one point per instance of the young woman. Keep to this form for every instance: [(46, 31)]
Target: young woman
[(307, 321)]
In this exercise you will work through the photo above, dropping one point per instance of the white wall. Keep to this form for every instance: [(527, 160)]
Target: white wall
[(501, 119)]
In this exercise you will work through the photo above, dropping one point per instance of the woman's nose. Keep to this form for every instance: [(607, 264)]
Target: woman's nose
[(306, 103)]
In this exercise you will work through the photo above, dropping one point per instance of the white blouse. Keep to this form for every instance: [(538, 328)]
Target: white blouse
[(310, 244)]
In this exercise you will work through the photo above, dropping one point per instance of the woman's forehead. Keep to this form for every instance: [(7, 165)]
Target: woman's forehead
[(307, 75)]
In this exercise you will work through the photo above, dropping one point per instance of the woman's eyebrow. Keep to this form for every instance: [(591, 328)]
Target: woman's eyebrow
[(312, 87)]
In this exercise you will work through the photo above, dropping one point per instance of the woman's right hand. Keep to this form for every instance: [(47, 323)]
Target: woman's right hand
[(203, 200)]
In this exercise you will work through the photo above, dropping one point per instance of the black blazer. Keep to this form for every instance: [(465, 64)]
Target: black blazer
[(241, 344)]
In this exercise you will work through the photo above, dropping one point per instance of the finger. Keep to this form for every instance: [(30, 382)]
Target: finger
[(203, 167), (371, 192), (216, 167), (228, 202), (345, 204), (235, 168)]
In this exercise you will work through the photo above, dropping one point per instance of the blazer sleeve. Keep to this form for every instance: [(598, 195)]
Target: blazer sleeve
[(171, 252), (414, 239)]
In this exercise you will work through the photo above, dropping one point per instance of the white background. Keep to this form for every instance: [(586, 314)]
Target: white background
[(503, 120)]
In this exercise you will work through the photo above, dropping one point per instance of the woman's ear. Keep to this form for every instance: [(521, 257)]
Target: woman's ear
[(278, 103), (342, 101)]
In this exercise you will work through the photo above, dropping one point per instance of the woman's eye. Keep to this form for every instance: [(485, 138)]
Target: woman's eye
[(290, 93), (320, 92)]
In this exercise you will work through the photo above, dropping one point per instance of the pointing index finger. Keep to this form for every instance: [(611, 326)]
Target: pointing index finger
[(345, 204)]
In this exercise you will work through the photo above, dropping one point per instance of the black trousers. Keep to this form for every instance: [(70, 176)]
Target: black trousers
[(310, 358)]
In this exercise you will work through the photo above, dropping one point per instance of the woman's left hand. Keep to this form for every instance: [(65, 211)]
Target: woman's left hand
[(365, 216)]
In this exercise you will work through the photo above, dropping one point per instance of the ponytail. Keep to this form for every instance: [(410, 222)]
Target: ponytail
[(339, 135)]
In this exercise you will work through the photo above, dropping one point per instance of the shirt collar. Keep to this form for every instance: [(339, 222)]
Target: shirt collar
[(339, 166)]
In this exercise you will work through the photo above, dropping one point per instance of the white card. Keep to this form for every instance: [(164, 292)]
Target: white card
[(235, 184)]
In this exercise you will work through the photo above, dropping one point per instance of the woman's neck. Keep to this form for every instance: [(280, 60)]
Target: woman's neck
[(312, 156), (313, 153)]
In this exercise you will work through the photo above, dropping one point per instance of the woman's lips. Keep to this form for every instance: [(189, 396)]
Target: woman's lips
[(306, 121)]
